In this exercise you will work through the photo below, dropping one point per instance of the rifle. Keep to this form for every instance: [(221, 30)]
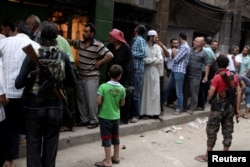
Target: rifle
[(29, 50), (227, 82)]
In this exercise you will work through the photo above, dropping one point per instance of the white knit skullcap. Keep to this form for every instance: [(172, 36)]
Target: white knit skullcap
[(152, 33)]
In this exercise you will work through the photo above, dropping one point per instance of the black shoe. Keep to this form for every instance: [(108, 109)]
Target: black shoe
[(66, 129), (83, 124), (123, 121)]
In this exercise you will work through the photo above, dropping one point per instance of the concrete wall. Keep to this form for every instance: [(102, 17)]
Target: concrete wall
[(217, 3), (191, 15), (173, 32), (147, 4), (230, 5), (162, 17)]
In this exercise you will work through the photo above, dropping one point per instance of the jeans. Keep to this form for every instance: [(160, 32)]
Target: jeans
[(179, 80), (247, 96), (138, 81)]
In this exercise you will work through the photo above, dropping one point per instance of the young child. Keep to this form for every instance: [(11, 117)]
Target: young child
[(111, 96)]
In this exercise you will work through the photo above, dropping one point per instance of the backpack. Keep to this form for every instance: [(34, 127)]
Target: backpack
[(50, 75), (226, 98), (54, 66)]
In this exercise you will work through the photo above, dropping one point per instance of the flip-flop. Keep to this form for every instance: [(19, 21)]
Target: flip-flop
[(114, 161), (243, 116), (201, 158), (101, 164)]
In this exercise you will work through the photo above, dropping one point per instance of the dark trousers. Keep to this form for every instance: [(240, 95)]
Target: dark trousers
[(2, 142), (43, 126), (161, 91), (203, 92), (69, 118), (126, 109), (13, 112)]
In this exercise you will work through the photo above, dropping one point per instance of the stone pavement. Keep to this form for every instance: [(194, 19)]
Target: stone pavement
[(82, 135)]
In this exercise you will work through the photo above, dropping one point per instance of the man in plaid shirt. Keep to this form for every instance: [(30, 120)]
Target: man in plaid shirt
[(178, 72), (138, 50)]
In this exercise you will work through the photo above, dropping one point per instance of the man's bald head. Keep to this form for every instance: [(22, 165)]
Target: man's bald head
[(198, 42), (34, 22)]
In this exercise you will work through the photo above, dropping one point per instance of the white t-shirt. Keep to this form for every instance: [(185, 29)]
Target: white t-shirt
[(231, 66), (2, 91), (170, 61)]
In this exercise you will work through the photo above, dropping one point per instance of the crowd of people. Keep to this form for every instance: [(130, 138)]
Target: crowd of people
[(134, 85)]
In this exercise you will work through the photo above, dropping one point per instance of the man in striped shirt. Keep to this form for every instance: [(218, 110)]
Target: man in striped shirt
[(92, 54)]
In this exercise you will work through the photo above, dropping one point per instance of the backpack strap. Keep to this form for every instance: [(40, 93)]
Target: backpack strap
[(226, 79)]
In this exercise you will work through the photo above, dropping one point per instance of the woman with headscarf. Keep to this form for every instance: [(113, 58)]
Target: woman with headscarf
[(123, 57)]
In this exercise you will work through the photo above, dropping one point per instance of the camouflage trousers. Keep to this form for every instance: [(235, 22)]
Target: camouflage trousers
[(225, 119)]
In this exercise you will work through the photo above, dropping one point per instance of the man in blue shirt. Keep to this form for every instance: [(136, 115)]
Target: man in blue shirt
[(138, 50), (178, 73)]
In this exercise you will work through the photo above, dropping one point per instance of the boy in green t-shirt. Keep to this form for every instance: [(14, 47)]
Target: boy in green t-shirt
[(111, 95)]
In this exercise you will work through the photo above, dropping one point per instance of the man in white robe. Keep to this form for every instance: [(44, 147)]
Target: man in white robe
[(150, 105)]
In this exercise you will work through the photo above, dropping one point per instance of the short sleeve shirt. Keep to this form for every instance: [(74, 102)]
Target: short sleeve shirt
[(112, 93), (219, 84)]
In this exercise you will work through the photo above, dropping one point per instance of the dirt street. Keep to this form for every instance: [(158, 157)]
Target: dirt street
[(174, 146)]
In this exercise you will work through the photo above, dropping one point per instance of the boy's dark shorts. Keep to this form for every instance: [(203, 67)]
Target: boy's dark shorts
[(109, 132)]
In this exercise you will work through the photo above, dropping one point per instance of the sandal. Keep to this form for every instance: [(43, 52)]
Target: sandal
[(115, 161), (101, 164), (243, 116), (201, 158)]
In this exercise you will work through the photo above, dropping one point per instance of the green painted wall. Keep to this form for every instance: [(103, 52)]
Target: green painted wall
[(104, 23), (104, 18)]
